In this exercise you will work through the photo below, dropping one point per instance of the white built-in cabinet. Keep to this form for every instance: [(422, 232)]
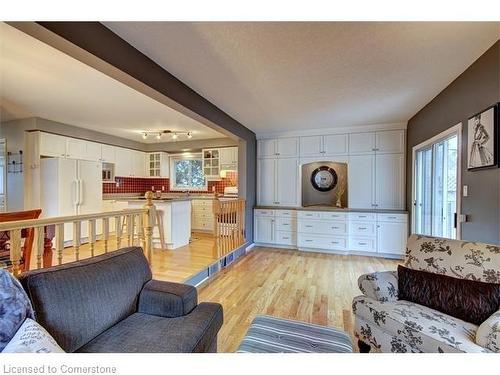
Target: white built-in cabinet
[(202, 215), (376, 167), (127, 162), (229, 158), (363, 233)]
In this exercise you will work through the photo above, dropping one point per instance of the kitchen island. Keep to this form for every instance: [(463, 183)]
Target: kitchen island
[(175, 214)]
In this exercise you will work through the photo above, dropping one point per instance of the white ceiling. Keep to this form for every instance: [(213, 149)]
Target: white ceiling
[(274, 76), (37, 80)]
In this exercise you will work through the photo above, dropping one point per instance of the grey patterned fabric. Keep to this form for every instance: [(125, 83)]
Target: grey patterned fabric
[(391, 325), (381, 286), (15, 307), (77, 301), (268, 334), (488, 333), (166, 299), (143, 333), (460, 259)]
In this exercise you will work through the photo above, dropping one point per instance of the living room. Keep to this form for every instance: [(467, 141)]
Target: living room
[(261, 187)]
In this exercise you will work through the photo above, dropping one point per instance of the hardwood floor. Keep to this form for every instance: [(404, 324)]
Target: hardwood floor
[(310, 287), (170, 265)]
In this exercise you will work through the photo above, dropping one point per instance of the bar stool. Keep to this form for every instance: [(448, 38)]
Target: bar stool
[(158, 224)]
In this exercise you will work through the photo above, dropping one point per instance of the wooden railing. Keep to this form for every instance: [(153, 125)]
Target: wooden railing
[(139, 229), (229, 222)]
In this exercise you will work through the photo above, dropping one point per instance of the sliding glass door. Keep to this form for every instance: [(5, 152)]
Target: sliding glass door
[(436, 187)]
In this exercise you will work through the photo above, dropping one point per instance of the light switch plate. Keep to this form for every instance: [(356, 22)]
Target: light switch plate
[(465, 189)]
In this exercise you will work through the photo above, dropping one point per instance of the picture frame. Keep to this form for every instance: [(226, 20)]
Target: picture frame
[(482, 139)]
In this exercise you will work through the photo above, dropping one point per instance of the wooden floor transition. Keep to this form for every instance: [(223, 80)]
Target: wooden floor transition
[(171, 265), (310, 287)]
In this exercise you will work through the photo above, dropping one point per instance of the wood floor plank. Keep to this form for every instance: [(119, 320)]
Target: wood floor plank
[(310, 287)]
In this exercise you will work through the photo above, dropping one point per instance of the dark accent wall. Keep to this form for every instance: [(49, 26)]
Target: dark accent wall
[(474, 90), (98, 40)]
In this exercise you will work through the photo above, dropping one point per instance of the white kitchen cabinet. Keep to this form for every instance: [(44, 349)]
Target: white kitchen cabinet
[(264, 229), (76, 148), (390, 141), (108, 154), (123, 163), (311, 146), (361, 143), (361, 181), (391, 238), (266, 192), (93, 151), (52, 145), (266, 148), (202, 216), (335, 144), (138, 163), (389, 181), (157, 164), (229, 158), (281, 147), (287, 180)]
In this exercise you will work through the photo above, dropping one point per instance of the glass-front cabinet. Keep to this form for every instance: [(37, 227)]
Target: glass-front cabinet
[(157, 164), (211, 163)]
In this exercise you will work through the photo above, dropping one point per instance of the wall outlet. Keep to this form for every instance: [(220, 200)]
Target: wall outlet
[(152, 188), (163, 188), (465, 191)]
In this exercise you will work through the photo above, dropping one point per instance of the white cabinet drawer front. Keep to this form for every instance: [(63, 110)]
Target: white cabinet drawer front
[(362, 216), (322, 242), (363, 228), (286, 213), (202, 202), (363, 244), (399, 218), (308, 215), (306, 226), (286, 238), (339, 216), (338, 243), (264, 212), (286, 224), (202, 209), (332, 228)]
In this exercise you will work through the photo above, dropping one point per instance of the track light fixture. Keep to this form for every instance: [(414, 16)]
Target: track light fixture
[(159, 134)]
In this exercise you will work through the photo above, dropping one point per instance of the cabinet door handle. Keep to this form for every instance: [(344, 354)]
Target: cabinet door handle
[(309, 240), (391, 217), (362, 228), (335, 242), (362, 243), (286, 238), (309, 226), (285, 224), (362, 217), (335, 228)]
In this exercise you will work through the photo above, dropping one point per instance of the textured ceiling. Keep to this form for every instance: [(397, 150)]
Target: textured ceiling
[(274, 76), (38, 80)]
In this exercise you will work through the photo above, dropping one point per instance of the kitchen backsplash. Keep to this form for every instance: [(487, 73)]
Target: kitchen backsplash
[(137, 185)]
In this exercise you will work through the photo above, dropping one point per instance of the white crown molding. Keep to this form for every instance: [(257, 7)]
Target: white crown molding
[(337, 130)]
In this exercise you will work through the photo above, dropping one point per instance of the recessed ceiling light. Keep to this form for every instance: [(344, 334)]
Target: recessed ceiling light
[(158, 136), (174, 136), (190, 135), (144, 135)]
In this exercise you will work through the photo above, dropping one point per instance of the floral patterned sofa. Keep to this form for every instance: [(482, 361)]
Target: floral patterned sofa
[(383, 323)]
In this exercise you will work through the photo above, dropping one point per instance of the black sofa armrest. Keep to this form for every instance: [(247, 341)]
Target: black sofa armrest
[(169, 300)]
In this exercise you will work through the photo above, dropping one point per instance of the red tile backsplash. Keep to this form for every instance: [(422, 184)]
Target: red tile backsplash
[(137, 185)]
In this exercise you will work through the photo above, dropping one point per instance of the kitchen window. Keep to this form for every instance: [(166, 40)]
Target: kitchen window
[(186, 172)]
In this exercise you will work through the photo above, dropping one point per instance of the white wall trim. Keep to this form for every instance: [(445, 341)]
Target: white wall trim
[(445, 134), (333, 130)]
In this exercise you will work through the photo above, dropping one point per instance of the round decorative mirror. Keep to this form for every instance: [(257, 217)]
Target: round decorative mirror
[(324, 178)]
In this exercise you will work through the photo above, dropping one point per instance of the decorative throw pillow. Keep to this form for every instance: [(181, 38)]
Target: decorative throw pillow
[(32, 338), (15, 307), (488, 333), (469, 300)]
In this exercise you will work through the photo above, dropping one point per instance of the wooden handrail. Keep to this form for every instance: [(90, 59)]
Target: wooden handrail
[(229, 225), (139, 222)]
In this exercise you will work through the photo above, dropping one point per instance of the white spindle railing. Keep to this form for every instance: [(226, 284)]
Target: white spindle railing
[(139, 229)]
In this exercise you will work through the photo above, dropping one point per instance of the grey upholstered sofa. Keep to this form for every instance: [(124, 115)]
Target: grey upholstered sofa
[(111, 304)]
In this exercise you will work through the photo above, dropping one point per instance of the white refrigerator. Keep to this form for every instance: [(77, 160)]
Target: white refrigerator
[(71, 187)]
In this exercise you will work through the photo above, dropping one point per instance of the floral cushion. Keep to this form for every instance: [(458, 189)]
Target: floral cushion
[(488, 333), (31, 337), (460, 259), (419, 328), (381, 286)]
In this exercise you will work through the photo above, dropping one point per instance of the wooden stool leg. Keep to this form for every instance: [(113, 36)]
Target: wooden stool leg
[(159, 224)]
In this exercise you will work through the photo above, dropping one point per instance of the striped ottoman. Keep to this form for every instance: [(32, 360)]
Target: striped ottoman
[(268, 334)]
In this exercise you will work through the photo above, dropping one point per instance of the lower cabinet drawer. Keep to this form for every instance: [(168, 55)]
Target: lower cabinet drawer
[(320, 242), (363, 244), (362, 228), (286, 224), (285, 238)]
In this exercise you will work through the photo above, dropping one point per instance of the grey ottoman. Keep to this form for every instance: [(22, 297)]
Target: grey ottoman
[(268, 334)]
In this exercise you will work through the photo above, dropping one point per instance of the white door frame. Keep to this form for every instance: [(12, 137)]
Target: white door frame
[(457, 129)]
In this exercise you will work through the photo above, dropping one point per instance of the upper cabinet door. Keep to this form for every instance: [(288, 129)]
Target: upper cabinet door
[(311, 146), (287, 181), (228, 156), (123, 162), (108, 154), (92, 151), (335, 144), (266, 191), (390, 141), (287, 147), (266, 148), (361, 181), (52, 145), (76, 148), (138, 163), (361, 143), (390, 187)]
